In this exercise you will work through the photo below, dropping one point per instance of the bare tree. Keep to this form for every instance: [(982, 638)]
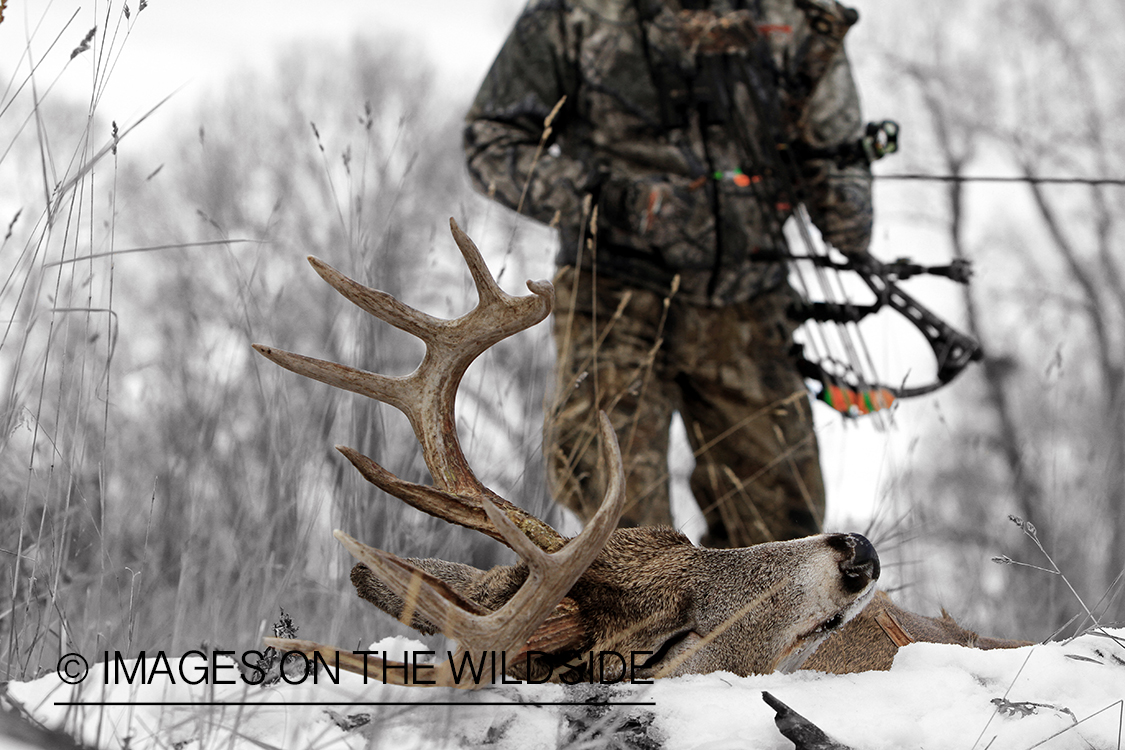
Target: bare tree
[(1010, 87)]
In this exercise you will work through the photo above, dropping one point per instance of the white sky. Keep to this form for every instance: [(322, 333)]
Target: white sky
[(197, 44)]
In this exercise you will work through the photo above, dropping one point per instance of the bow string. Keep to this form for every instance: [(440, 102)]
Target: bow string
[(849, 381), (849, 384)]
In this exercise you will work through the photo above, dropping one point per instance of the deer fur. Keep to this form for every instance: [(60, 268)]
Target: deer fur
[(873, 637), (693, 610), (757, 609)]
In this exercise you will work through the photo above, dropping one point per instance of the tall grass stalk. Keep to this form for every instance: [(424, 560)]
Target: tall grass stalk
[(162, 487)]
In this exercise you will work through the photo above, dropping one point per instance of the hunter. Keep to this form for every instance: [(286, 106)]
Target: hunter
[(669, 141)]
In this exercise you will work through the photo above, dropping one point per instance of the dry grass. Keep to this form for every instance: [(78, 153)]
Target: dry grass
[(162, 487)]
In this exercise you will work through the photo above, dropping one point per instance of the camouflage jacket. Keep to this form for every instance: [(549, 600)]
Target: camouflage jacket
[(687, 126)]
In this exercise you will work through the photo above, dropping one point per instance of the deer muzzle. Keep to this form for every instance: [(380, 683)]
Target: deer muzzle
[(860, 565)]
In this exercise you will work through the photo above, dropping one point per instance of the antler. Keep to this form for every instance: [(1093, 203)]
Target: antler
[(427, 397)]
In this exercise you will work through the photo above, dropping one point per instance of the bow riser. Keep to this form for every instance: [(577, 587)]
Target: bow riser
[(952, 349)]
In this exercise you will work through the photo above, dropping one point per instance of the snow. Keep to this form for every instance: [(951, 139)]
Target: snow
[(1055, 696)]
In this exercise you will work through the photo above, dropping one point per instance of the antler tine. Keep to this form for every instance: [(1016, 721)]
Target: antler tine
[(496, 316), (550, 578), (422, 591), (378, 303), (457, 509), (427, 396), (550, 575), (370, 384), (487, 288)]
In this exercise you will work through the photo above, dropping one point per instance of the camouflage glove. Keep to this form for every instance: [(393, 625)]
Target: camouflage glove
[(840, 206), (655, 211)]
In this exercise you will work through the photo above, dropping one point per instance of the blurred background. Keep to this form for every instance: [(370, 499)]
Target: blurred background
[(163, 487)]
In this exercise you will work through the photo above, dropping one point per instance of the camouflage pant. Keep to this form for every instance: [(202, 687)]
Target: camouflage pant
[(641, 357)]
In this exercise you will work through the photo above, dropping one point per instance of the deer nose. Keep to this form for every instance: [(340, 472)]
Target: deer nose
[(861, 566)]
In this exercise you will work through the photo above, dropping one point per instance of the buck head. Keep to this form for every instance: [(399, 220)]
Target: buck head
[(768, 607), (671, 608), (648, 595)]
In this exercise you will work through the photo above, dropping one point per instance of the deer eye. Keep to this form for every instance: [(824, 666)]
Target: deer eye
[(662, 653)]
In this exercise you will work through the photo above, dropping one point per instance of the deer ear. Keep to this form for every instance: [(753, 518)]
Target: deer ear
[(448, 579), (563, 630)]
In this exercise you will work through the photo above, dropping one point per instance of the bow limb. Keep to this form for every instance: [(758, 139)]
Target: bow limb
[(952, 349), (852, 396), (844, 387)]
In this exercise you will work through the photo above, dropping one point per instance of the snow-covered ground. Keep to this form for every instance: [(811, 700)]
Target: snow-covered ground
[(936, 696)]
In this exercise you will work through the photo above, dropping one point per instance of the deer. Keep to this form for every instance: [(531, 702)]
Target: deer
[(870, 640), (647, 595)]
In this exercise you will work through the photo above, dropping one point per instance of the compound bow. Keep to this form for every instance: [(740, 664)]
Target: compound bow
[(844, 387)]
